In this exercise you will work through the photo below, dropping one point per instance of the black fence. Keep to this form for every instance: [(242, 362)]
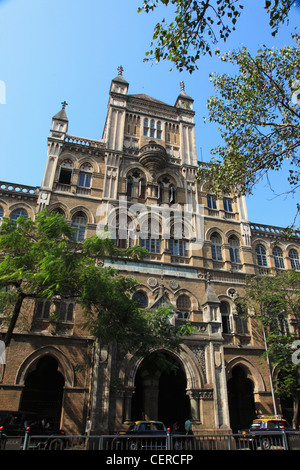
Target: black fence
[(281, 440)]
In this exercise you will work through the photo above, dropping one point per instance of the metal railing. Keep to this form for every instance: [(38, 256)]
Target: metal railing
[(281, 440)]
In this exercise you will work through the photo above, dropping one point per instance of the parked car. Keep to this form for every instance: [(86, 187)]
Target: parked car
[(264, 433), (149, 435), (14, 424)]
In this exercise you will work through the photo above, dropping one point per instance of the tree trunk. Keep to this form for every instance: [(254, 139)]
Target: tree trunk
[(14, 319)]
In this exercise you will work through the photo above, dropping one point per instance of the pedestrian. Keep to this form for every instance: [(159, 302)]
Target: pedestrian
[(88, 425), (175, 427), (188, 427)]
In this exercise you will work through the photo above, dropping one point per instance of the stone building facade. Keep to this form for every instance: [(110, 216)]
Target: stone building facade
[(200, 250)]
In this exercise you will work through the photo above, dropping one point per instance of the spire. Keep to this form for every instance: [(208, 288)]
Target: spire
[(184, 100), (120, 77), (61, 115)]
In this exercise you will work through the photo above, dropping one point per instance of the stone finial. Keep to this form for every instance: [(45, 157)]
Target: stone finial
[(120, 70), (64, 104), (182, 86)]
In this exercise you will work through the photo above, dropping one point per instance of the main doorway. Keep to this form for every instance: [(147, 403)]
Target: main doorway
[(43, 390), (240, 400), (160, 390)]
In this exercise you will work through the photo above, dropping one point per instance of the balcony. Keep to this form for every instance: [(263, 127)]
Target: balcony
[(153, 156)]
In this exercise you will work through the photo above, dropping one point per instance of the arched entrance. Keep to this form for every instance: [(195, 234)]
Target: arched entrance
[(43, 390), (160, 390), (240, 400)]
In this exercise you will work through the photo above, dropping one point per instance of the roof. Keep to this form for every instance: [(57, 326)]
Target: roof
[(145, 97), (61, 115)]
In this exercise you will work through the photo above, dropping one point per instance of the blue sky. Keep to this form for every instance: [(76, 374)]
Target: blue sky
[(56, 50)]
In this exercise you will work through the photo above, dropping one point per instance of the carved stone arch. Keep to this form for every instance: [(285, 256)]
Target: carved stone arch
[(89, 216), (189, 363), (5, 208), (292, 246), (62, 206), (112, 221), (67, 156), (174, 177), (144, 288), (29, 365), (250, 370), (127, 171), (214, 230), (192, 297), (22, 205), (260, 241), (188, 231), (91, 161), (234, 233)]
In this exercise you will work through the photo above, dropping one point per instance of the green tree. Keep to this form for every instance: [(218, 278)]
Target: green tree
[(197, 25), (40, 259), (273, 302), (258, 111)]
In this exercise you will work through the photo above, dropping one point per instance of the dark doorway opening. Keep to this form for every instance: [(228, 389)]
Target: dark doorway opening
[(173, 402), (168, 383), (43, 390), (240, 400)]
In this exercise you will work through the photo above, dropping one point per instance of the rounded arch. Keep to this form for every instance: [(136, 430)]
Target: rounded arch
[(84, 160), (29, 365), (24, 206), (260, 241), (194, 301), (65, 157), (4, 206), (126, 172), (250, 370), (186, 358)]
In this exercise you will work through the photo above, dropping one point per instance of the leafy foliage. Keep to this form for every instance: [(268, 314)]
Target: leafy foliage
[(40, 260), (259, 117), (273, 301), (199, 24)]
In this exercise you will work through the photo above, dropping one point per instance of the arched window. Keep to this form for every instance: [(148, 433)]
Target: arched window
[(152, 128), (146, 127), (18, 213), (79, 222), (158, 135), (1, 212), (183, 304), (216, 247), (211, 202), (59, 211), (141, 299), (278, 257), (225, 314), (85, 176), (234, 248), (65, 311), (142, 188), (66, 172), (261, 255), (129, 187), (42, 309), (294, 258), (227, 204), (172, 194)]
